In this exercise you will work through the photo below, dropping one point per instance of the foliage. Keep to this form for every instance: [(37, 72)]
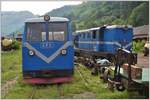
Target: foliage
[(86, 15), (15, 45), (97, 13), (119, 22), (11, 65), (138, 46), (140, 15), (13, 21)]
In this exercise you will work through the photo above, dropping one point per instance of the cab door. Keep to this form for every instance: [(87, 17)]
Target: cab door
[(101, 39), (95, 40)]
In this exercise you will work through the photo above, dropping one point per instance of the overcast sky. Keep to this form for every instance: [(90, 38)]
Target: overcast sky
[(36, 7)]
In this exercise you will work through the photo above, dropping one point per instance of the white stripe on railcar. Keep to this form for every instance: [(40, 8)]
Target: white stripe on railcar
[(53, 56), (102, 42)]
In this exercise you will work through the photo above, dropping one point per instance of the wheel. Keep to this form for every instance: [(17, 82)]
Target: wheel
[(120, 87)]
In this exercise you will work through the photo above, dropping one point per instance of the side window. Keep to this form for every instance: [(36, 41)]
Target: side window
[(81, 35), (94, 34), (88, 35), (100, 34), (84, 35)]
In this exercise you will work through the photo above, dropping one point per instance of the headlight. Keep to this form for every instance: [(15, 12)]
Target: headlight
[(46, 18), (31, 53), (63, 52)]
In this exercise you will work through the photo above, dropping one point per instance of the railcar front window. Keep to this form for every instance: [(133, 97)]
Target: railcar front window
[(36, 32), (43, 36), (57, 31), (50, 36)]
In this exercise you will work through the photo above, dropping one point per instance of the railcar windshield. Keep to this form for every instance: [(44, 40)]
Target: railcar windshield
[(38, 31), (57, 31)]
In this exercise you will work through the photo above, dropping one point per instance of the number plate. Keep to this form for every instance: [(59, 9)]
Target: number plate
[(46, 45)]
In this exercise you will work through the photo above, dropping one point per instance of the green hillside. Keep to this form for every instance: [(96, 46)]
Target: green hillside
[(14, 21), (86, 15), (97, 13)]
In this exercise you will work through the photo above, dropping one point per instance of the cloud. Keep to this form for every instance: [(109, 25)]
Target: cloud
[(36, 7)]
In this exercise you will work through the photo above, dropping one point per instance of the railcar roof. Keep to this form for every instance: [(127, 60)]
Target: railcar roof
[(119, 26), (82, 30), (107, 27), (52, 19), (96, 28)]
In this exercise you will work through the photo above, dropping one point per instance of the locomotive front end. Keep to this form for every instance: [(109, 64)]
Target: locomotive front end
[(47, 50)]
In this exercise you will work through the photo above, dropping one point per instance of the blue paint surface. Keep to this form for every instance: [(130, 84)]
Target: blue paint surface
[(48, 48), (107, 38)]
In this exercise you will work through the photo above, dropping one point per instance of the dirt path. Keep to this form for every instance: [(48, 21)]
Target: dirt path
[(85, 95), (7, 86)]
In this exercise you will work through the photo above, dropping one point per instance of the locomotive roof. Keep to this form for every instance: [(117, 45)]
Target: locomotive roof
[(85, 30), (108, 27), (119, 26), (52, 19)]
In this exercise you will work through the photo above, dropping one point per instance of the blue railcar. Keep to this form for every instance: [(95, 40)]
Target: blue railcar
[(47, 50), (104, 41)]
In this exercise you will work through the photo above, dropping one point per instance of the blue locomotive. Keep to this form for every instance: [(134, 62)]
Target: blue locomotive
[(103, 41), (47, 50)]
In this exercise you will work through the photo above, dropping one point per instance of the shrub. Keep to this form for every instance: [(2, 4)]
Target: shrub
[(15, 45), (138, 46)]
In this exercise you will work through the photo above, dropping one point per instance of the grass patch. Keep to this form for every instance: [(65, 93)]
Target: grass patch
[(11, 67), (138, 46)]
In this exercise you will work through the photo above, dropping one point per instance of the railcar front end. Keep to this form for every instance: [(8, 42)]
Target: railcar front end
[(47, 51)]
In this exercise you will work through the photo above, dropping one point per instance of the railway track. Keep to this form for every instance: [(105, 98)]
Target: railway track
[(33, 92), (86, 82), (36, 88), (59, 91), (59, 86)]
